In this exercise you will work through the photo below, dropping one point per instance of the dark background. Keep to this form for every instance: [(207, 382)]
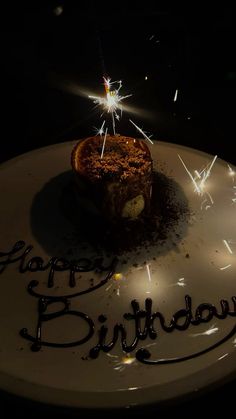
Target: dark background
[(53, 50)]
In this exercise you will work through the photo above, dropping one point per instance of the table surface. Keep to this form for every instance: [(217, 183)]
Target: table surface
[(52, 54)]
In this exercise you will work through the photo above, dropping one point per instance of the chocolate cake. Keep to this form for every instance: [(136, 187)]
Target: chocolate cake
[(117, 183)]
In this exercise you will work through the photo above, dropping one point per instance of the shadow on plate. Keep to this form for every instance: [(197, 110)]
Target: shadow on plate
[(65, 228)]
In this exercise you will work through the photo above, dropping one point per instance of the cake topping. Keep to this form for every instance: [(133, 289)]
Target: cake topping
[(124, 158)]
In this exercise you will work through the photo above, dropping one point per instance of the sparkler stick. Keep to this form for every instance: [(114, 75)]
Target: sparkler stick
[(112, 102)]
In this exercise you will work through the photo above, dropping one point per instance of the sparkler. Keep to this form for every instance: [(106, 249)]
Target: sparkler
[(111, 103)]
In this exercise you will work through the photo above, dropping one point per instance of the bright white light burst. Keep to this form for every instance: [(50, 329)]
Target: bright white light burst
[(111, 103)]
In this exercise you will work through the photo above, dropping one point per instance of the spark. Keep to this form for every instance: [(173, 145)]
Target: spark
[(111, 103), (222, 357), (203, 202), (190, 175), (118, 276), (231, 171), (207, 174), (212, 329), (149, 273), (128, 360), (225, 267), (227, 246), (123, 363), (176, 95), (210, 197), (146, 77), (181, 282), (197, 174), (141, 131), (103, 145), (100, 131), (201, 177)]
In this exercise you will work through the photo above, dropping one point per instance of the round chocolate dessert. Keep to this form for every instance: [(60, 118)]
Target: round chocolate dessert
[(118, 182)]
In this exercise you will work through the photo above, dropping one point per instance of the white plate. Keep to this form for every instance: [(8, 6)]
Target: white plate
[(197, 259)]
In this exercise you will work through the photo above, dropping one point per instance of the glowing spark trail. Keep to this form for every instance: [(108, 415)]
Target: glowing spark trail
[(104, 142), (207, 174), (197, 174), (100, 131), (149, 273), (141, 131), (228, 246), (199, 181), (225, 267), (212, 329), (190, 175), (176, 95), (231, 171)]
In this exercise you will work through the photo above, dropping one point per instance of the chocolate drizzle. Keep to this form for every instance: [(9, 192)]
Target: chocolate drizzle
[(42, 306), (55, 264), (143, 319), (143, 355), (148, 330)]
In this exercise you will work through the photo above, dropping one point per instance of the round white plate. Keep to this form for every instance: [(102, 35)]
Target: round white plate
[(197, 260)]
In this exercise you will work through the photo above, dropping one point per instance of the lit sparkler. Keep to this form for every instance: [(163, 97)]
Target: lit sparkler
[(111, 103)]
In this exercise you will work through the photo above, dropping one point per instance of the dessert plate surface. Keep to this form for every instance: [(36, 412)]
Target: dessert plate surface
[(171, 304)]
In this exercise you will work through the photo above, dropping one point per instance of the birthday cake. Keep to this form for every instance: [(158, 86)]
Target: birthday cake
[(118, 181)]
